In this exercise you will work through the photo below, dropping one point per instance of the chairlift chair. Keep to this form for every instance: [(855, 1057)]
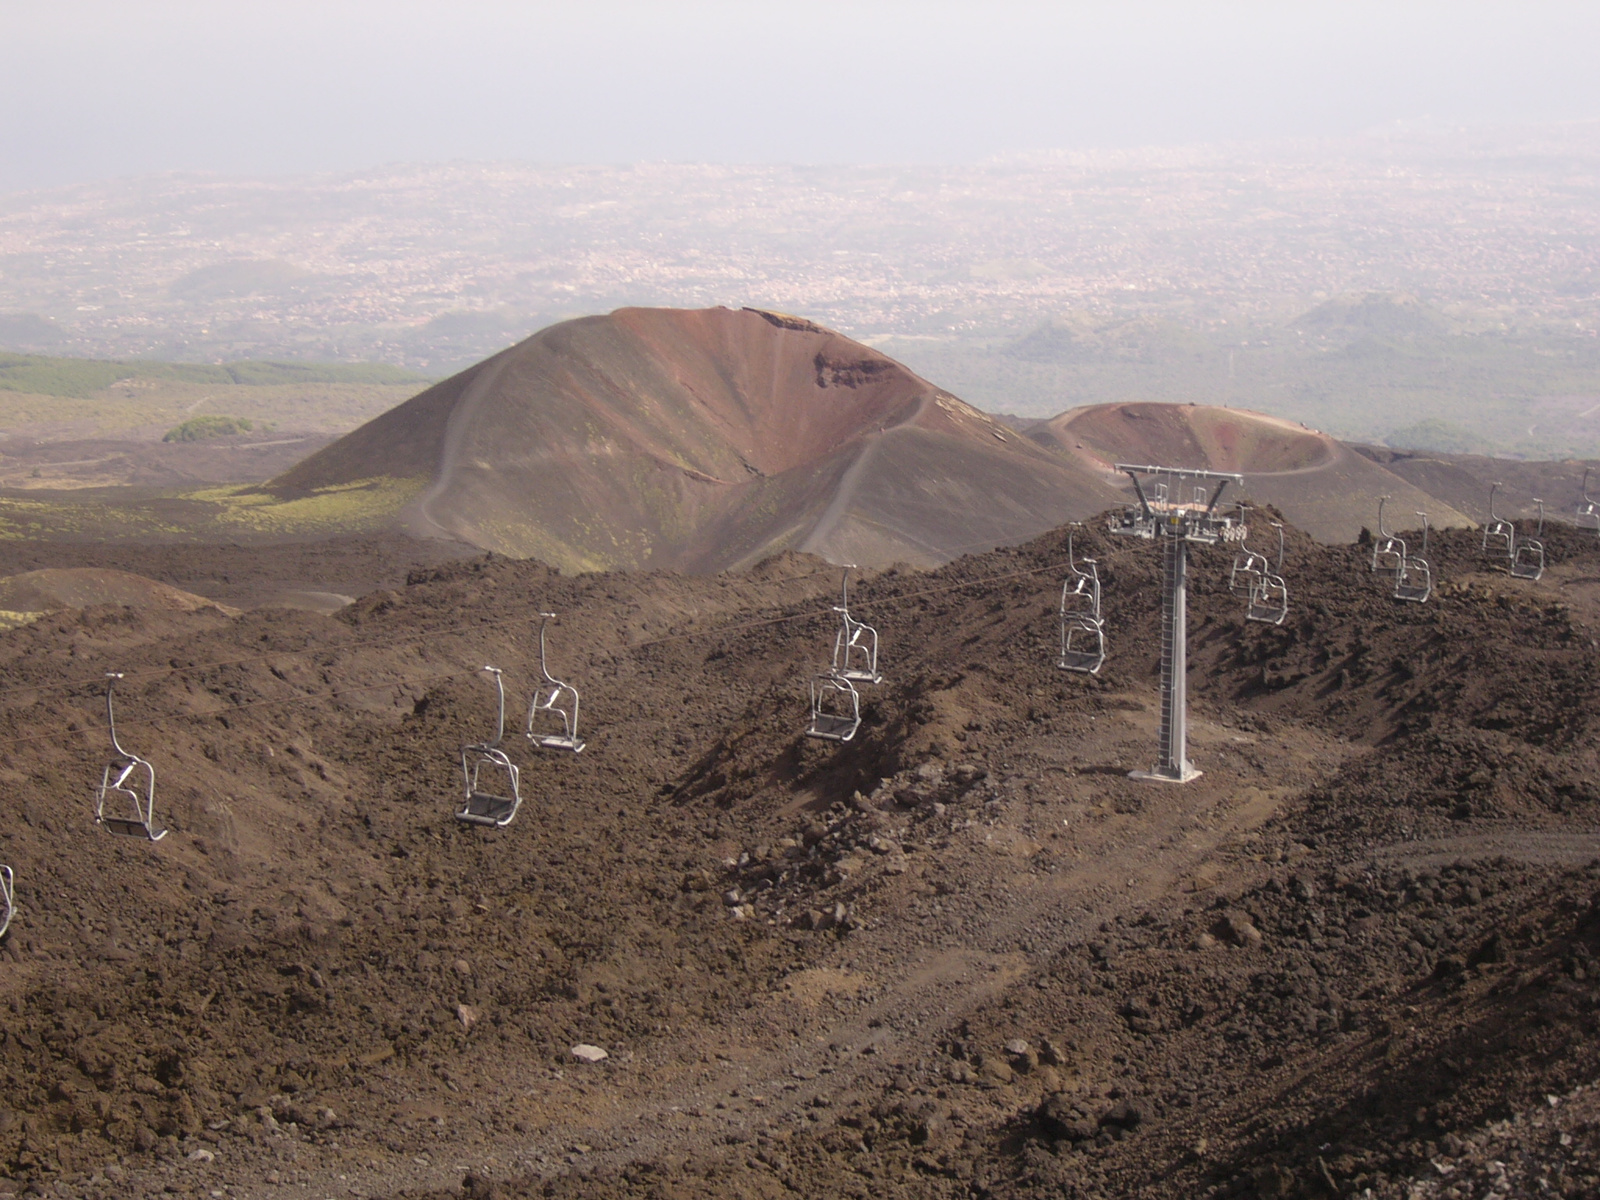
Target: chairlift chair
[(484, 761), (555, 700), (835, 708), (1528, 561), (1248, 566), (1269, 597), (1415, 581), (855, 646), (129, 782), (1499, 535), (1588, 506), (1388, 551), (1083, 638), (1083, 646), (8, 903)]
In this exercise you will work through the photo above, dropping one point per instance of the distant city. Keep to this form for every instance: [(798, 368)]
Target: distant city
[(431, 267)]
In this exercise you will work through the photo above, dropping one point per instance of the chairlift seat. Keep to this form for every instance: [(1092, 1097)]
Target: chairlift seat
[(132, 827), (855, 646), (1415, 583), (485, 809), (1245, 575), (482, 806), (862, 666), (1269, 601), (1388, 557), (128, 778), (1500, 540), (1528, 562), (560, 702), (1083, 647), (1083, 632), (835, 708), (1588, 512), (1500, 535), (558, 741), (835, 727), (123, 786)]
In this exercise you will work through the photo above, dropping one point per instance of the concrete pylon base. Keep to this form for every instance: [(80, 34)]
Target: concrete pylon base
[(1159, 776)]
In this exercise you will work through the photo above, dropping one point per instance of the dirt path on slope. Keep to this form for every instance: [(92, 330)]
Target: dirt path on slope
[(789, 1048)]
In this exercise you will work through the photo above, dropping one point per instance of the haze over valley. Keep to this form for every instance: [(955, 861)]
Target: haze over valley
[(1425, 285)]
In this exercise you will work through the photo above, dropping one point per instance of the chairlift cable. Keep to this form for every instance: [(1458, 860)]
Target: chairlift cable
[(246, 660), (431, 635), (286, 701)]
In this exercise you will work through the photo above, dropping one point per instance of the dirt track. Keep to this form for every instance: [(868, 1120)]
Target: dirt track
[(1367, 926)]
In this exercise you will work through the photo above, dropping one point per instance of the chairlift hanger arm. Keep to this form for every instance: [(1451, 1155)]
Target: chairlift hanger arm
[(500, 690), (111, 716), (1138, 489), (544, 622), (1217, 495)]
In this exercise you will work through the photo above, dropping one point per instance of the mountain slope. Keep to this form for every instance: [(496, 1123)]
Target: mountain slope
[(710, 439), (703, 440), (1320, 484)]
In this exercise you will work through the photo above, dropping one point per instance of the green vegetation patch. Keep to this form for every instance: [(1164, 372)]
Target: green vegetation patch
[(199, 429), (81, 378)]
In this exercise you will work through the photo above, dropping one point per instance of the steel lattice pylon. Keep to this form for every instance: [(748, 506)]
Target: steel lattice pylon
[(1178, 507)]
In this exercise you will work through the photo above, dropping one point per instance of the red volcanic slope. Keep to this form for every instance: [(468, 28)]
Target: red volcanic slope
[(703, 440), (1320, 484)]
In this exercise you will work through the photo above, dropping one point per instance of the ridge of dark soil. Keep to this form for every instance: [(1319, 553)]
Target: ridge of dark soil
[(962, 955), (244, 575)]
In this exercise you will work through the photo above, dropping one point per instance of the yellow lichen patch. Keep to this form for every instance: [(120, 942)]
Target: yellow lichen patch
[(29, 518), (361, 504)]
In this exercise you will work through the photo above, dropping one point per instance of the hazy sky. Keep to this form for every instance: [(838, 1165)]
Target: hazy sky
[(97, 88)]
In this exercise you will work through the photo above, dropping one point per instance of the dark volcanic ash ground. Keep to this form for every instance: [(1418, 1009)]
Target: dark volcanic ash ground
[(962, 955)]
